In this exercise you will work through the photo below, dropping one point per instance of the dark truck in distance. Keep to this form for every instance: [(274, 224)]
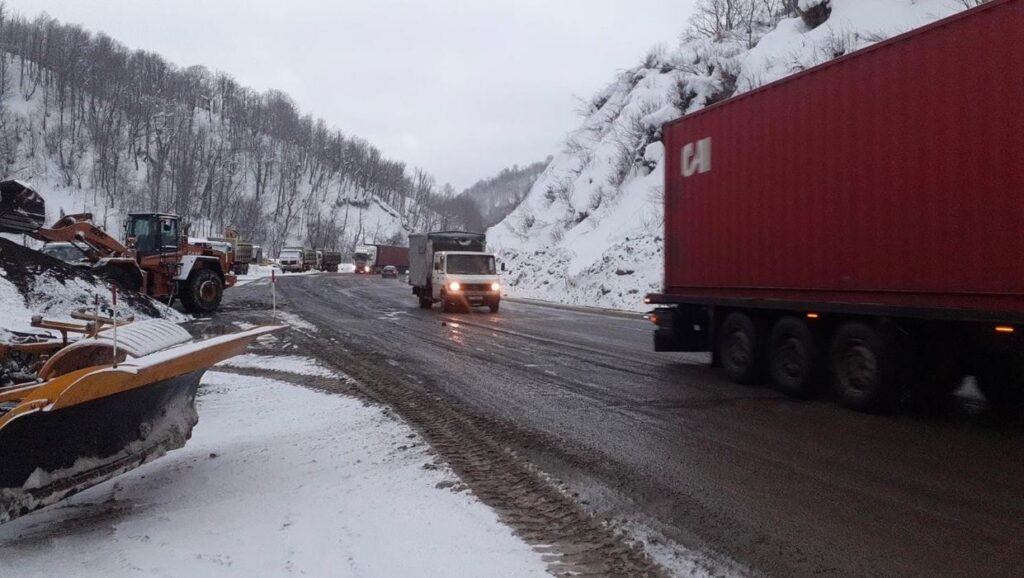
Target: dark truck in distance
[(859, 223), (328, 261)]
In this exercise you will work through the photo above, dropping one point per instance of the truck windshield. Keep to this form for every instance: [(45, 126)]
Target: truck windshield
[(471, 264), (290, 254)]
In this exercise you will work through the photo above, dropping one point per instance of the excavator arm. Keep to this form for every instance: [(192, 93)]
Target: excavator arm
[(79, 229)]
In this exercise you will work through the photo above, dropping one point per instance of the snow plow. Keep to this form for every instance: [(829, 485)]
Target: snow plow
[(75, 413), (156, 259)]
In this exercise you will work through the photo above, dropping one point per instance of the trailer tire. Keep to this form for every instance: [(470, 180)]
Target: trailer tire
[(792, 358), (864, 377), (739, 349), (202, 292)]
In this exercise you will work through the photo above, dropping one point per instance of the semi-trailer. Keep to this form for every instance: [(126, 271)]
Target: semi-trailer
[(860, 223), (397, 257)]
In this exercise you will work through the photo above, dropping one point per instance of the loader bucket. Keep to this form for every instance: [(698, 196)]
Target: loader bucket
[(22, 210)]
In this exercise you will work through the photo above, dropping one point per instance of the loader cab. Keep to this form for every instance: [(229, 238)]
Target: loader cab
[(152, 233)]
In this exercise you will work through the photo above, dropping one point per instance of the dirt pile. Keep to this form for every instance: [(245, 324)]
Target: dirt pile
[(53, 288)]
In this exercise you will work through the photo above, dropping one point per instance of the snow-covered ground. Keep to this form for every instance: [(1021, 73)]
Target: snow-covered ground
[(277, 480), (590, 230)]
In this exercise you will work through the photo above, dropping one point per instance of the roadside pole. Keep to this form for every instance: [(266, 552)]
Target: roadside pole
[(113, 289), (273, 291)]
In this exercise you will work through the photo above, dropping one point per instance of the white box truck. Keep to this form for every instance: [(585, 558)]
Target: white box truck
[(453, 268)]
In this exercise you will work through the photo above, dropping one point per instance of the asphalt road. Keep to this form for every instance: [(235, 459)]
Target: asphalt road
[(756, 482)]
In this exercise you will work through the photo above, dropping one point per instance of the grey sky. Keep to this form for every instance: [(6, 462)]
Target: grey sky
[(461, 88)]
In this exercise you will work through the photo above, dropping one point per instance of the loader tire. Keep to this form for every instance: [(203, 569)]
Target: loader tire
[(202, 292)]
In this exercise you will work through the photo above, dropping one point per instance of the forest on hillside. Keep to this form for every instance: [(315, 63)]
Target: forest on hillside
[(80, 111)]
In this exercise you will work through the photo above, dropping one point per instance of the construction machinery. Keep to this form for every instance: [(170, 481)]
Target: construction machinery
[(74, 413), (157, 258)]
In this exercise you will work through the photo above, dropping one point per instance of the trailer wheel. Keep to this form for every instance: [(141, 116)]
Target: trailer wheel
[(739, 349), (864, 374), (792, 357), (202, 292)]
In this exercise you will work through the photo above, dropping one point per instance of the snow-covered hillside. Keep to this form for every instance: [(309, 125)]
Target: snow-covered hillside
[(99, 128), (339, 211), (590, 230)]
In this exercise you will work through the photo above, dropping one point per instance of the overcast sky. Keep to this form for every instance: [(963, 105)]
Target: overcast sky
[(461, 88)]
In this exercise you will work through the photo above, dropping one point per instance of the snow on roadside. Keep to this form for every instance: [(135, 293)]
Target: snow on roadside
[(289, 363), (296, 322), (276, 480)]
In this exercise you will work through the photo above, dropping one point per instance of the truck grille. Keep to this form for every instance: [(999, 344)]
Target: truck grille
[(476, 287)]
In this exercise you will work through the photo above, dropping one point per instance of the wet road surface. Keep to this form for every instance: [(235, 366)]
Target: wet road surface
[(741, 477)]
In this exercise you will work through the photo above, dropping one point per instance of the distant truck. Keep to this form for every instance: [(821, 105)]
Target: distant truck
[(328, 261), (858, 223), (242, 251), (397, 257), (453, 268), (365, 257), (294, 260)]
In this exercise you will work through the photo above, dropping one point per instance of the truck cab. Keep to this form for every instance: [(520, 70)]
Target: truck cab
[(465, 279), (290, 259)]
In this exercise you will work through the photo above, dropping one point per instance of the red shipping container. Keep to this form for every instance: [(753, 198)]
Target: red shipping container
[(890, 177), (390, 255)]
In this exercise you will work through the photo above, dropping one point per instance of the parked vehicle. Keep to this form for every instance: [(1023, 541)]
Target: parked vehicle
[(292, 260), (861, 219), (328, 261), (453, 268), (242, 252), (68, 252), (389, 272)]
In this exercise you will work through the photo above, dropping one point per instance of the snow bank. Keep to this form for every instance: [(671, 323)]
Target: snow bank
[(34, 284), (590, 230), (290, 363), (276, 480)]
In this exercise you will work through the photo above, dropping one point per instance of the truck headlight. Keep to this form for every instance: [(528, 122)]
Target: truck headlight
[(495, 287), (454, 286)]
